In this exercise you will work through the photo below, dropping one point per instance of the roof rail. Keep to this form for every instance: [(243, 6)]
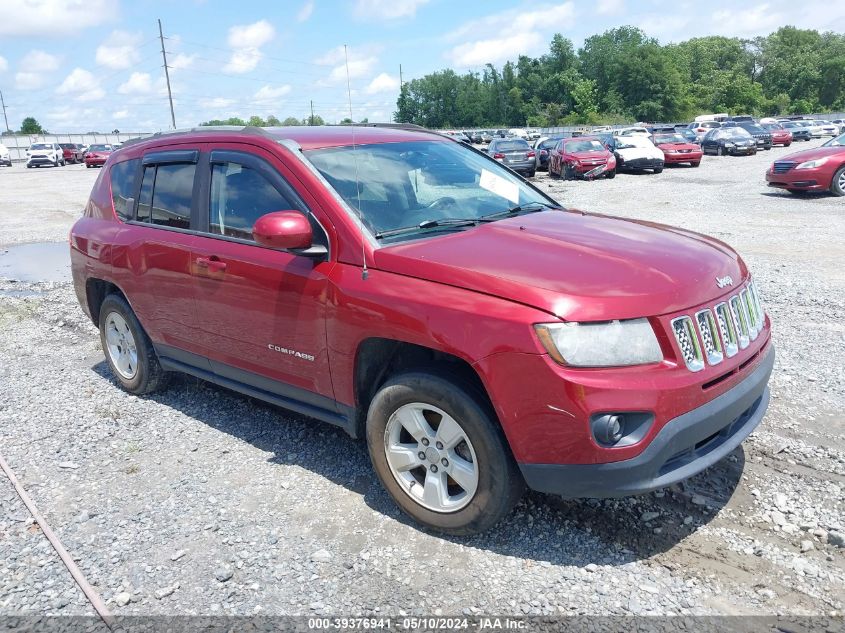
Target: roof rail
[(397, 126), (248, 129)]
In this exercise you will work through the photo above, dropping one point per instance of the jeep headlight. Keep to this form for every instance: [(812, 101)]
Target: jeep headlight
[(601, 344), (810, 164)]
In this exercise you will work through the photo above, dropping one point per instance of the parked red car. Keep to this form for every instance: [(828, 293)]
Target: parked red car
[(418, 294), (97, 155), (575, 157), (780, 135), (820, 169), (677, 150), (72, 152)]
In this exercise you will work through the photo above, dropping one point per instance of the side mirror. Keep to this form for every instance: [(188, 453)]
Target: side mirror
[(287, 230)]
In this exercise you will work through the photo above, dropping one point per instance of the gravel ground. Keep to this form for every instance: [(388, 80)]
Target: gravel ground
[(200, 501)]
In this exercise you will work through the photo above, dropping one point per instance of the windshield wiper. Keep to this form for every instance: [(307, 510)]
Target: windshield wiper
[(528, 207), (446, 223)]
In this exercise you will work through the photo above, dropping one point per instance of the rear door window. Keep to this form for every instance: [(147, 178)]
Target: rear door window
[(166, 195), (123, 187)]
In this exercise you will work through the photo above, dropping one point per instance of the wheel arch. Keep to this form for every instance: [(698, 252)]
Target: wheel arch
[(377, 359), (96, 290)]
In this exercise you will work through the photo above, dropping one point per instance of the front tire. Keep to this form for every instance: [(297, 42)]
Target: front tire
[(837, 185), (127, 348), (659, 170), (531, 174), (695, 164), (719, 150), (440, 454), (611, 174)]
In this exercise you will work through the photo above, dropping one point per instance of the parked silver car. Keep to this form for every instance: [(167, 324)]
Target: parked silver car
[(515, 153)]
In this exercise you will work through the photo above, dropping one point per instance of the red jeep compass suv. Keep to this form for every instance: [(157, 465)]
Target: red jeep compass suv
[(418, 294)]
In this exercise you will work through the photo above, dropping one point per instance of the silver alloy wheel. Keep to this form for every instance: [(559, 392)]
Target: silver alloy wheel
[(841, 181), (431, 457), (120, 346)]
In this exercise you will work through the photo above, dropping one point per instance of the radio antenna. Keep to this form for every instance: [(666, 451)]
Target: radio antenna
[(364, 272)]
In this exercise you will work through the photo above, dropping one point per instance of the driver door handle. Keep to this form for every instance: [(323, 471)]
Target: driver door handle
[(212, 264)]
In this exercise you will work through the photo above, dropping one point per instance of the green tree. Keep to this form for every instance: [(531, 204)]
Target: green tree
[(30, 126), (272, 121), (256, 121), (291, 120)]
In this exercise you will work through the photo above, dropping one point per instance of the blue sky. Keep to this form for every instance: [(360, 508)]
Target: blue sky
[(79, 65)]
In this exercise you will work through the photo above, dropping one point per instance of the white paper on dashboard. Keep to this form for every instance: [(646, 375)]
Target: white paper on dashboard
[(500, 186)]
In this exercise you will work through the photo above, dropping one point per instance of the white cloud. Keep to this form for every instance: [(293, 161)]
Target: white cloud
[(119, 50), (269, 95), (181, 60), (759, 19), (138, 83), (29, 81), (306, 11), (361, 63), (218, 103), (39, 62), (4, 65), (523, 32), (82, 85), (246, 41), (251, 35), (53, 17), (387, 9), (120, 114), (383, 83), (610, 7)]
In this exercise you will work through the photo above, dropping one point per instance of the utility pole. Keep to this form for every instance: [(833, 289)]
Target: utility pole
[(400, 77), (167, 76), (311, 122), (5, 118)]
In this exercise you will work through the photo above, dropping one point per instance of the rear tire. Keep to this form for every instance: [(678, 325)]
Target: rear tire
[(412, 414), (127, 348), (531, 173), (837, 185)]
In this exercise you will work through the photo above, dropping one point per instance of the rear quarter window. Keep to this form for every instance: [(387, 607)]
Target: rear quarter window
[(123, 187)]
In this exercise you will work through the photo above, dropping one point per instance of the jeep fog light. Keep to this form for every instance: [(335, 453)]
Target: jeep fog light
[(608, 429)]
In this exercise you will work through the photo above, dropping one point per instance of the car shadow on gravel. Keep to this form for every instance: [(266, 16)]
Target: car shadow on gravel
[(544, 528)]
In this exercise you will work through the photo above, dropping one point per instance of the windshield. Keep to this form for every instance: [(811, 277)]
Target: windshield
[(591, 145), (408, 183), (754, 129), (100, 148), (669, 138), (839, 141), (41, 146), (733, 132), (773, 126)]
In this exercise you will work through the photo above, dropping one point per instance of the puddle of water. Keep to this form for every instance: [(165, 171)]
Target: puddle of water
[(30, 263)]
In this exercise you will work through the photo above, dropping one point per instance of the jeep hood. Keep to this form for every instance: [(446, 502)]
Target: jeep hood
[(577, 266)]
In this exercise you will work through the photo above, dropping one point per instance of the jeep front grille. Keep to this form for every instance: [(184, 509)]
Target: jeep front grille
[(688, 342), (720, 333), (709, 336)]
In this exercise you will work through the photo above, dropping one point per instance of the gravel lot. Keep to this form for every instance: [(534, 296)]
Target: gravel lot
[(200, 501)]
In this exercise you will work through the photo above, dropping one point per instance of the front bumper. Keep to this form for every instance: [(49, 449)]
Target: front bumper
[(689, 157), (641, 163), (684, 446), (41, 160), (804, 179), (744, 151)]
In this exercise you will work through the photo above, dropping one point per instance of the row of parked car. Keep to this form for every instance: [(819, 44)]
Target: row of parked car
[(61, 154), (603, 151)]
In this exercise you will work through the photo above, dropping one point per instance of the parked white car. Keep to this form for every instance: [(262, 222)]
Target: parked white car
[(518, 132), (634, 130), (45, 154), (635, 152), (824, 128), (5, 156)]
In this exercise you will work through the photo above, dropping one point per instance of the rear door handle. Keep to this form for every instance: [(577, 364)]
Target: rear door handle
[(212, 264)]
